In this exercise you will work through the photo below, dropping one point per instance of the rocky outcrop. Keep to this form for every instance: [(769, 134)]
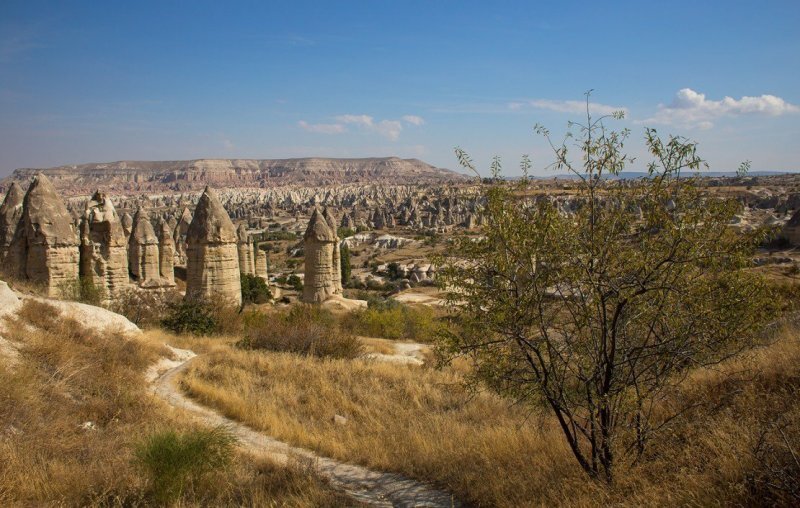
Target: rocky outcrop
[(261, 268), (246, 261), (104, 250), (143, 249), (337, 255), (10, 214), (212, 269), (180, 237), (319, 284), (45, 247), (166, 253)]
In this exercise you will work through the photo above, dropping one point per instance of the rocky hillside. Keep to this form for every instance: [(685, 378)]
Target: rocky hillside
[(165, 176)]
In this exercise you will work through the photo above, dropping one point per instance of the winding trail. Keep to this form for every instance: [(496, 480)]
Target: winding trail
[(362, 484)]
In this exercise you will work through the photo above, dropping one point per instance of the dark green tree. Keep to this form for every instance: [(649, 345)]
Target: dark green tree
[(345, 263)]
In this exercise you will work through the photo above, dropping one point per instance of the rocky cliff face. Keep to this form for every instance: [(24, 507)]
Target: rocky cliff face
[(172, 176)]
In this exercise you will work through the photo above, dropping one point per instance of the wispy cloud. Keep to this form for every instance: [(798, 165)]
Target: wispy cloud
[(572, 107), (322, 128), (389, 129), (414, 120), (692, 109)]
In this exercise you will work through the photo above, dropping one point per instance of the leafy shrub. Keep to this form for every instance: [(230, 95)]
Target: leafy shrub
[(391, 319), (144, 308), (305, 329), (295, 281), (254, 289), (191, 316), (174, 461), (82, 290)]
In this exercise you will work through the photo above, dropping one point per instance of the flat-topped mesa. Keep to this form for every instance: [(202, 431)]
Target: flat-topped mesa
[(45, 247), (10, 214), (337, 254), (319, 283), (166, 252), (212, 259), (143, 249), (246, 261), (104, 249)]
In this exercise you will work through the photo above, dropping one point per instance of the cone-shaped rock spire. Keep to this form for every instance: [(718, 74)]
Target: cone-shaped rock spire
[(45, 246), (212, 259), (143, 248), (337, 255), (104, 249), (319, 284), (10, 214), (246, 262)]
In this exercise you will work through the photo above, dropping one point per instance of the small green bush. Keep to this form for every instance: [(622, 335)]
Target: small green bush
[(82, 290), (305, 329), (254, 289), (295, 281), (174, 461), (191, 316), (391, 319)]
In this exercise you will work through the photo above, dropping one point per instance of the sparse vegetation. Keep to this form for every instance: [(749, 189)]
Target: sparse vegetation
[(392, 320), (82, 290), (254, 289), (305, 329)]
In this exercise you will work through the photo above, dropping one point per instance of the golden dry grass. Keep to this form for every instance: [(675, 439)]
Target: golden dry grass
[(418, 421), (74, 405)]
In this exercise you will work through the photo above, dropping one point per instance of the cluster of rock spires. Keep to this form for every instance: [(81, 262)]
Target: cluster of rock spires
[(323, 276), (40, 243)]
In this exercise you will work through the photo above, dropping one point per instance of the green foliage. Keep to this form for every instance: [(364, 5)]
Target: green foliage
[(192, 316), (254, 289), (174, 461), (599, 313), (144, 308), (345, 263), (343, 232), (393, 270), (391, 319), (82, 290), (306, 329), (280, 235), (295, 281)]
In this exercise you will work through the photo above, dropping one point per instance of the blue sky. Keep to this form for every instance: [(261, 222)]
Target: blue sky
[(102, 81)]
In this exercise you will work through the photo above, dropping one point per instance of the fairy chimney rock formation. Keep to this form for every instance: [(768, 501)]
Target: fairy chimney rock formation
[(337, 254), (104, 249), (45, 246), (261, 269), (127, 225), (166, 254), (143, 249), (180, 236), (246, 262), (212, 258), (10, 214), (319, 284)]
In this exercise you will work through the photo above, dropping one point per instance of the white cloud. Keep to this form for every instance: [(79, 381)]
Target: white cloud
[(414, 119), (389, 129), (322, 128), (692, 109), (572, 107)]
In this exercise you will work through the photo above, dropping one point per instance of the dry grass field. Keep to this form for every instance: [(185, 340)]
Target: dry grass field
[(735, 448), (75, 405)]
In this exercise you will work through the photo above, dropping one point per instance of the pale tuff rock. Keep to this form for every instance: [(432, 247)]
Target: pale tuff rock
[(261, 264), (10, 214), (180, 237), (212, 268), (166, 253), (143, 249), (246, 262), (104, 250), (337, 255), (127, 225), (319, 284), (45, 246)]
